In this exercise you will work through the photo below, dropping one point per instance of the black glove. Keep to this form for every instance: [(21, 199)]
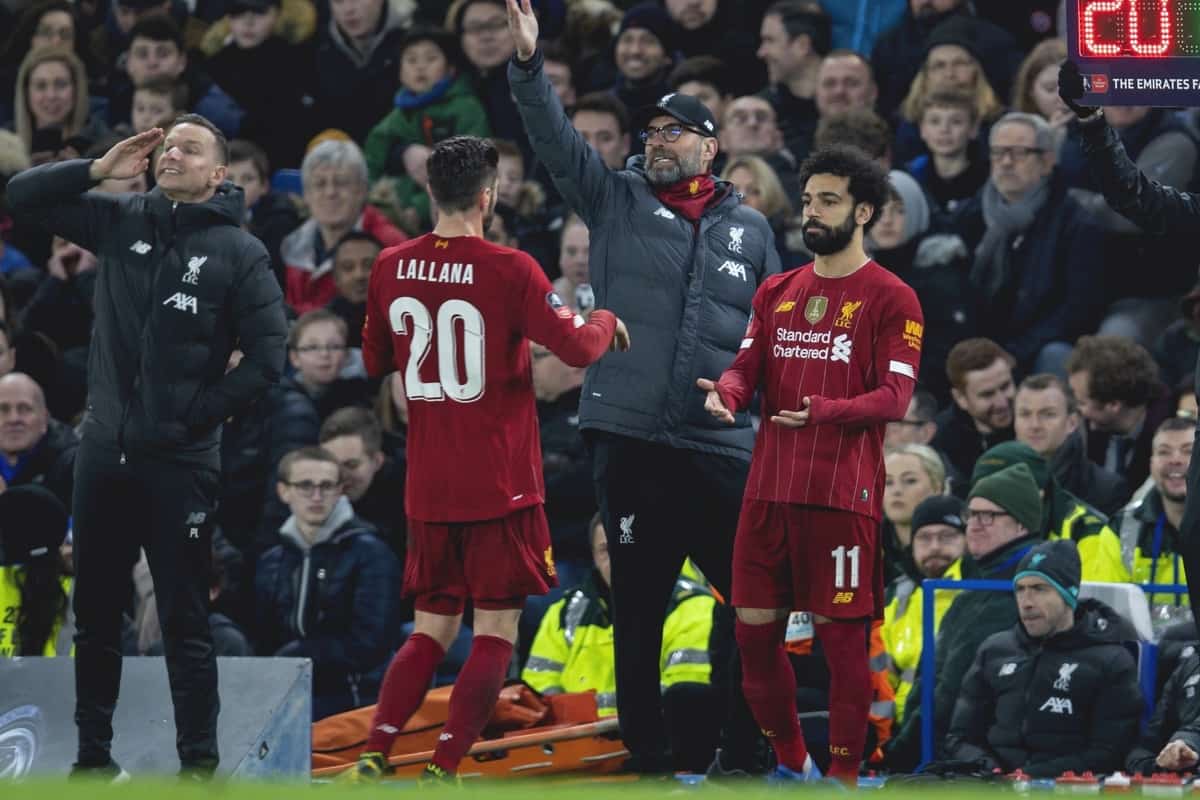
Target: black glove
[(1070, 89)]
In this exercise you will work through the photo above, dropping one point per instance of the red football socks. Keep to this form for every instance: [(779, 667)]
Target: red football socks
[(404, 687), (769, 685), (845, 646), (473, 699)]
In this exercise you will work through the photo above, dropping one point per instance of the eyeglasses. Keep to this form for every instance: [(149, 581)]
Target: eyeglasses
[(1015, 153), (322, 348), (944, 538), (984, 518), (310, 489), (670, 133)]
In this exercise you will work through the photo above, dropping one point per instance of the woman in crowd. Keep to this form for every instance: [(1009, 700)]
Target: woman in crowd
[(51, 102), (914, 472)]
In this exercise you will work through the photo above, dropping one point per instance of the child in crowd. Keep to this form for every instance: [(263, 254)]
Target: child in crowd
[(156, 100), (951, 172), (434, 103)]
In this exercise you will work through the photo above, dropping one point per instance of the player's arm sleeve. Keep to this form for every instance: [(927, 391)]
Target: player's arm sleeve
[(737, 384), (377, 328), (55, 197), (549, 654), (551, 324), (975, 709), (685, 656), (1155, 208), (261, 336), (577, 170), (897, 363)]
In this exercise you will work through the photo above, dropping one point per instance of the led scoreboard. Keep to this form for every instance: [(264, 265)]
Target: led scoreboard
[(1136, 52)]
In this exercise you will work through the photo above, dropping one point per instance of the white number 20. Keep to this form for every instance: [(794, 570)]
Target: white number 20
[(840, 556), (406, 309)]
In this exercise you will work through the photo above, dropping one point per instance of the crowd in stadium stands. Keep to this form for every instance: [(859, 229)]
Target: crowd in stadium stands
[(1055, 401)]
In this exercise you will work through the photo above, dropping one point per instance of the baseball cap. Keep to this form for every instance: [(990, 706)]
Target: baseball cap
[(684, 107)]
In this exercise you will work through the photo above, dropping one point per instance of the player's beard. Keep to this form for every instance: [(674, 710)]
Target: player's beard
[(826, 241), (674, 171)]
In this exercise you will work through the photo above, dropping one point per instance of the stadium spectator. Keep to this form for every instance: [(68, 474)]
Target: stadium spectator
[(353, 258), (51, 103), (1064, 516), (1003, 516), (34, 591), (604, 124), (794, 38), (954, 169), (561, 73), (937, 549), (46, 23), (335, 190), (1171, 740), (750, 128), (913, 473), (1047, 419), (707, 79), (1070, 702), (1120, 396), (762, 190), (573, 652), (1035, 90), (1149, 527), (483, 35), (706, 28), (270, 215), (435, 102), (980, 373), (157, 99), (656, 451), (644, 54), (845, 83), (36, 449), (329, 590), (918, 426)]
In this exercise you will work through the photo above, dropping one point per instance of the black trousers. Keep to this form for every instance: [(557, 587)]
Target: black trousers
[(660, 505), (165, 507)]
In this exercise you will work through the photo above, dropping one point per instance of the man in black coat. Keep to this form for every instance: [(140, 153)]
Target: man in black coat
[(35, 448), (1058, 691), (178, 286)]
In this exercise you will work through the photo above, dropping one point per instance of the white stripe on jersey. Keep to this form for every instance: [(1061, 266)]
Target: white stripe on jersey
[(902, 368), (746, 343)]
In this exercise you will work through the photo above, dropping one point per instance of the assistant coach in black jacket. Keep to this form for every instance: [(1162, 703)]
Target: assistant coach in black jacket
[(180, 286)]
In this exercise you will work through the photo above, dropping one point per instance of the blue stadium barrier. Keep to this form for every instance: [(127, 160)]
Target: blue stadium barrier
[(1147, 651)]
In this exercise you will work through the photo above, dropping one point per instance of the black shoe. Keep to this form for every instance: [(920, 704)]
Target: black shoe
[(654, 766), (109, 772)]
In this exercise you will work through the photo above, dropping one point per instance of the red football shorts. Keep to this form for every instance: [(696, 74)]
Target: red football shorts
[(495, 562), (806, 558)]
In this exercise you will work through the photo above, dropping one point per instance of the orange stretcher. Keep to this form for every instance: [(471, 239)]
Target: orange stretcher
[(528, 735)]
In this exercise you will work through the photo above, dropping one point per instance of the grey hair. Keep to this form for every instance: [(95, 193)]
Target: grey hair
[(334, 153), (1043, 136)]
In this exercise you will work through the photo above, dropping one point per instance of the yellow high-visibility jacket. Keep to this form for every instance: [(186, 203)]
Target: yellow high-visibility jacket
[(10, 609), (1067, 517)]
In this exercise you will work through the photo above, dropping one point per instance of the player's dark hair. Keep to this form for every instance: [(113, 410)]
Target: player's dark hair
[(1118, 369), (202, 122), (246, 150), (354, 421), (972, 355), (1045, 380), (804, 18), (604, 103), (868, 180), (307, 453), (459, 169)]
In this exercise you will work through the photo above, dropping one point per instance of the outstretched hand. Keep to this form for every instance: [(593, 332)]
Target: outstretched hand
[(794, 419), (523, 26), (1071, 88), (713, 403), (620, 340), (127, 158)]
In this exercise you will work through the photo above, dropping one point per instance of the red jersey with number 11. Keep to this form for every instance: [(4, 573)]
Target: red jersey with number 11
[(853, 345), (454, 317)]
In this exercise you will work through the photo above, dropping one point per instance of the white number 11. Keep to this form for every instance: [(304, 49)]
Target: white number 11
[(839, 560)]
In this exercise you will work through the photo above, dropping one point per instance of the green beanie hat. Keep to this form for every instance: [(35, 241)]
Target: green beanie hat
[(1014, 490), (1007, 454)]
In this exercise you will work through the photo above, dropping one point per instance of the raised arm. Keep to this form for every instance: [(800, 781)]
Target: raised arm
[(576, 169)]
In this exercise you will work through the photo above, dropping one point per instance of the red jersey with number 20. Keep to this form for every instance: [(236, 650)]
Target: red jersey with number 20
[(853, 345), (454, 317)]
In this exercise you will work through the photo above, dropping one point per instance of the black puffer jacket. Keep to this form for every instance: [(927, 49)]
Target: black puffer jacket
[(1177, 716), (51, 463), (179, 285), (1067, 702), (1087, 480)]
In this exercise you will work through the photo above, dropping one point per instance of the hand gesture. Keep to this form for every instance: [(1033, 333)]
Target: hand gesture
[(1177, 756), (1071, 88), (523, 26), (128, 158), (713, 403), (620, 340), (794, 419)]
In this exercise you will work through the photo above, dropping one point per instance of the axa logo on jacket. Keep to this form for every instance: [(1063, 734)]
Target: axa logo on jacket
[(181, 302)]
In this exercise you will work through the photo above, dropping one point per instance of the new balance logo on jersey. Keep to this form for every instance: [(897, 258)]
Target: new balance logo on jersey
[(627, 529), (1063, 683), (842, 598), (196, 518), (734, 268), (140, 247), (841, 349), (192, 276), (1008, 669), (181, 302), (662, 212), (1058, 705)]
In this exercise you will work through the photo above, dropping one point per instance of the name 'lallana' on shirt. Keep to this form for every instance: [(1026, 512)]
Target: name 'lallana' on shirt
[(434, 272)]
